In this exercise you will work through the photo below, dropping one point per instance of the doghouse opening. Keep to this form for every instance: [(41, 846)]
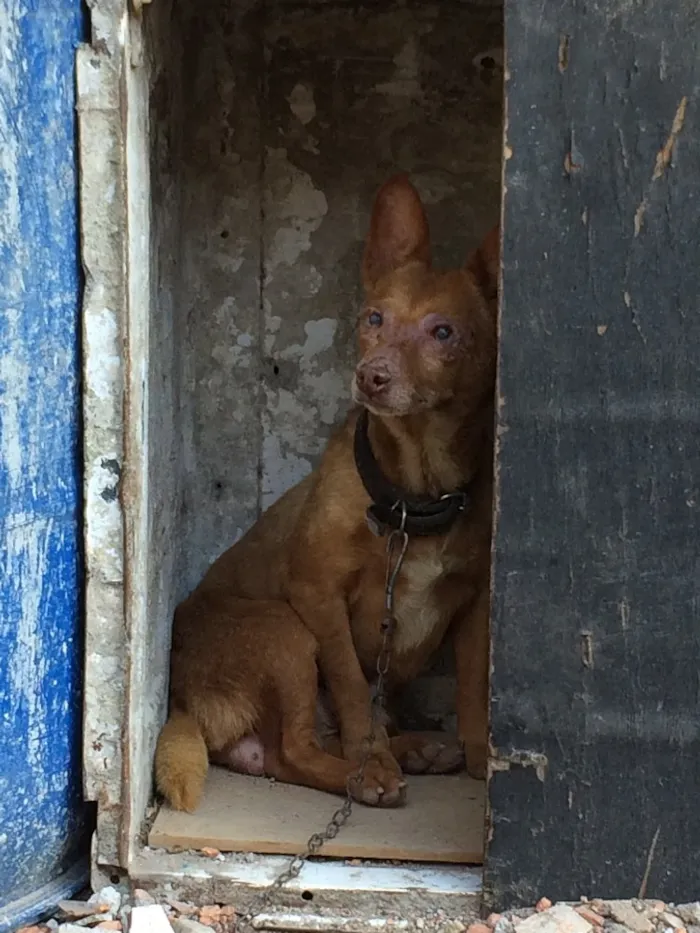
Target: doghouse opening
[(280, 121), (272, 125)]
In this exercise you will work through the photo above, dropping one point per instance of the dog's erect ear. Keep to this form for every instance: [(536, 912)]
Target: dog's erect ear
[(398, 232), (484, 263)]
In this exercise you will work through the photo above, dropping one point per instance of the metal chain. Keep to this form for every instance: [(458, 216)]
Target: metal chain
[(395, 554)]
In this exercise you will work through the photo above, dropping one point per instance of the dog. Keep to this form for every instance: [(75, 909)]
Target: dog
[(303, 591)]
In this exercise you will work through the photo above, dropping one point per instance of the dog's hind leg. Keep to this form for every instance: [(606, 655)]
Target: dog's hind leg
[(427, 752)]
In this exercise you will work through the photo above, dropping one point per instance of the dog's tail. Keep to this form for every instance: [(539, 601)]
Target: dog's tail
[(181, 762)]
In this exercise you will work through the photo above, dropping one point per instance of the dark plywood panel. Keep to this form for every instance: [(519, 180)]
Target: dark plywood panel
[(442, 822), (596, 637)]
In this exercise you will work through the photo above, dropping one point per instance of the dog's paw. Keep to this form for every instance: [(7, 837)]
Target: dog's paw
[(434, 757), (382, 784)]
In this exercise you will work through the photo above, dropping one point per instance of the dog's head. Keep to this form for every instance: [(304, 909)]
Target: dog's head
[(426, 337)]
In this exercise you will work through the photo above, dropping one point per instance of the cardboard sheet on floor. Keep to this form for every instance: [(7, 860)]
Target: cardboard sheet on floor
[(443, 820)]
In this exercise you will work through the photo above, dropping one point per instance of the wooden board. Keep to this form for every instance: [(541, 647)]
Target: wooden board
[(595, 635), (443, 821)]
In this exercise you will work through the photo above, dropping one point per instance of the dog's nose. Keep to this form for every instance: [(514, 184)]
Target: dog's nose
[(373, 378)]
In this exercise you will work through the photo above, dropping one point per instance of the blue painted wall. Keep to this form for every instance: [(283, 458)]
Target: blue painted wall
[(41, 815)]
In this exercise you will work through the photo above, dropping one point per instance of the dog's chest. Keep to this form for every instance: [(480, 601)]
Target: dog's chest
[(418, 607)]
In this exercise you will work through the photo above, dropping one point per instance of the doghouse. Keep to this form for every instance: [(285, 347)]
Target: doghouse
[(229, 155)]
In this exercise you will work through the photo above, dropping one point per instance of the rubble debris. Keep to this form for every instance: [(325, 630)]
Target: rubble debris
[(142, 898), (558, 919), (78, 910), (479, 928), (181, 907), (108, 896), (142, 911), (671, 920), (612, 927), (94, 919), (209, 915), (186, 925), (583, 910), (689, 914), (504, 925), (631, 914), (149, 919)]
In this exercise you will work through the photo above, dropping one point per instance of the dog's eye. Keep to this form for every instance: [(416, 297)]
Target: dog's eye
[(375, 319), (442, 332)]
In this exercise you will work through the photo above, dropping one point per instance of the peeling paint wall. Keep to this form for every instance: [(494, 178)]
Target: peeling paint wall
[(295, 113), (220, 299), (42, 817)]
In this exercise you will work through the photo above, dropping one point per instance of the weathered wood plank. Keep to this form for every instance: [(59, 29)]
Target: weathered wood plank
[(596, 643), (43, 822)]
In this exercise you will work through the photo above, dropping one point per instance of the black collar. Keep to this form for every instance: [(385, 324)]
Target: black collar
[(393, 508)]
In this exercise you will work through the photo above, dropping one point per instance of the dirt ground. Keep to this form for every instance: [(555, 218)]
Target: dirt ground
[(137, 912)]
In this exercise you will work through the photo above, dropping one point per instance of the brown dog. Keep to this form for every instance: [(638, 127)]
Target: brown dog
[(305, 588)]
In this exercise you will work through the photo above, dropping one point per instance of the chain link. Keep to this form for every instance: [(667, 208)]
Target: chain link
[(396, 547)]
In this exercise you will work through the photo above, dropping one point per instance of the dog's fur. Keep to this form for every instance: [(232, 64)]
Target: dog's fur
[(304, 589)]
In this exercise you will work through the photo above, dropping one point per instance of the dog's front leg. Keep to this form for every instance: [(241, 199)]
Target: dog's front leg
[(323, 560), (325, 614), (471, 643)]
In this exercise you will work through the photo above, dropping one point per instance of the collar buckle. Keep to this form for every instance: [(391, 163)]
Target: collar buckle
[(394, 509)]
